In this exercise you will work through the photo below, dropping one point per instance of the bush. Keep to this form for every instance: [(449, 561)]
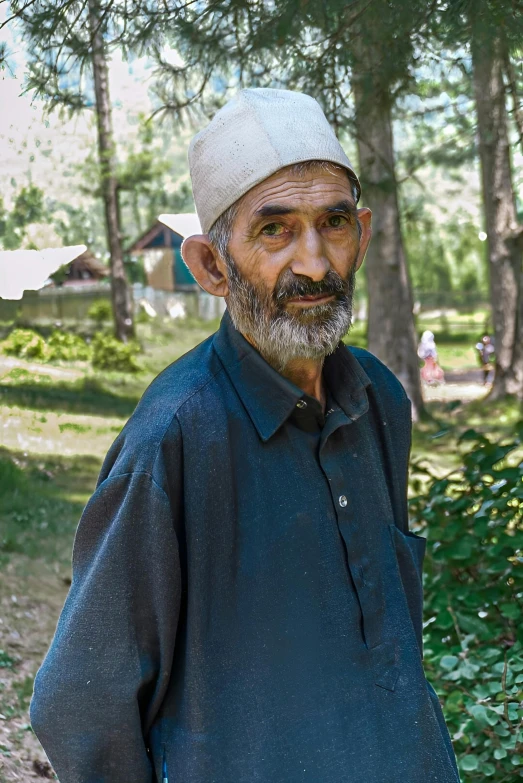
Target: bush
[(26, 344), (100, 312), (473, 605), (110, 354), (68, 346)]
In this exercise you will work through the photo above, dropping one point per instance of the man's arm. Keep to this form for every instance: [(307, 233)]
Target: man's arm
[(107, 670)]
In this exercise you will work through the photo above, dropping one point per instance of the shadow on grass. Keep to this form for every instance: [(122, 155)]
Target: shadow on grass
[(87, 395), (41, 501), (434, 437)]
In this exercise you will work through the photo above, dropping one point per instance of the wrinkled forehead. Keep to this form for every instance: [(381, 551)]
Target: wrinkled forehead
[(306, 188)]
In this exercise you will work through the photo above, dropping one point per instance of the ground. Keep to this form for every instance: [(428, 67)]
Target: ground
[(56, 424)]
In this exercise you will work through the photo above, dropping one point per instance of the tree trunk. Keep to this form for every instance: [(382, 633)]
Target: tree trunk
[(120, 291), (503, 233), (391, 328)]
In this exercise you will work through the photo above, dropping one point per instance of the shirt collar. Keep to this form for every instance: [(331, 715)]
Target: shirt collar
[(268, 397)]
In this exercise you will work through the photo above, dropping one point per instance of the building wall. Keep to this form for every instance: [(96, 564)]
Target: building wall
[(158, 265), (67, 303), (70, 305)]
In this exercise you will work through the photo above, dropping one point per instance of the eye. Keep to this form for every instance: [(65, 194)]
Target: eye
[(273, 230), (337, 221)]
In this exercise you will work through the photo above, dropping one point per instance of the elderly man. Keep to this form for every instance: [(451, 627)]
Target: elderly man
[(246, 597)]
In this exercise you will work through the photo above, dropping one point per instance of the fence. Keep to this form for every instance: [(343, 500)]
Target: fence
[(70, 304)]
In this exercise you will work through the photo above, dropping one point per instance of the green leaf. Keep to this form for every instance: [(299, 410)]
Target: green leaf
[(473, 625), (479, 713), (469, 762), (448, 662), (512, 611), (492, 717)]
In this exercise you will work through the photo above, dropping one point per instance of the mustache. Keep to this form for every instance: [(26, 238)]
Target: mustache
[(292, 286)]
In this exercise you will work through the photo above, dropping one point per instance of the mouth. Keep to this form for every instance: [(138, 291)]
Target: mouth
[(311, 301)]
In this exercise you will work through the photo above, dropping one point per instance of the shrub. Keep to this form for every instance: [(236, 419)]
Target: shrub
[(473, 605), (68, 346), (100, 312), (26, 344), (110, 354)]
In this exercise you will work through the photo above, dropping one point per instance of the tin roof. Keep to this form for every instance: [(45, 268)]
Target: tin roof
[(28, 270), (184, 224)]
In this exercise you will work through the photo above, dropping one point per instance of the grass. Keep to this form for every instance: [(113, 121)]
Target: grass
[(57, 421), (57, 429), (41, 500)]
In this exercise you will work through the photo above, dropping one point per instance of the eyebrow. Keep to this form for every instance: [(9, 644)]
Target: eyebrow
[(270, 210), (343, 206), (274, 210)]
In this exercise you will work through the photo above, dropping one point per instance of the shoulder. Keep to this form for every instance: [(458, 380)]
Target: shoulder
[(383, 380), (152, 436)]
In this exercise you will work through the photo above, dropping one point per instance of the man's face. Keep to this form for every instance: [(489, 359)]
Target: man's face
[(291, 264)]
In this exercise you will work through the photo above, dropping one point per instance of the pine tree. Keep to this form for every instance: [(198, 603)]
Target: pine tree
[(492, 30), (69, 46)]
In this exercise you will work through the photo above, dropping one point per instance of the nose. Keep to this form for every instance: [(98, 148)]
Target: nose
[(309, 256)]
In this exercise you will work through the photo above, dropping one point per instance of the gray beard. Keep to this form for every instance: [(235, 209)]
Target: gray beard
[(282, 337)]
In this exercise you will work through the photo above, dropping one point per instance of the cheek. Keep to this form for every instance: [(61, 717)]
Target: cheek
[(342, 255), (263, 268)]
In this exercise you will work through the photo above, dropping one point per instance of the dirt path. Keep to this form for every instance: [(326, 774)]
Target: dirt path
[(9, 363), (465, 385), (31, 597)]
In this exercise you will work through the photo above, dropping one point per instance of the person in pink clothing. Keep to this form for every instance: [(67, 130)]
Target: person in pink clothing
[(431, 372)]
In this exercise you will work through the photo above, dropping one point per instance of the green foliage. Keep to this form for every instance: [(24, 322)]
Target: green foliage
[(6, 662), (111, 354), (28, 208), (40, 505), (100, 312), (106, 352), (60, 276), (80, 225), (26, 344), (444, 256), (67, 346), (474, 600)]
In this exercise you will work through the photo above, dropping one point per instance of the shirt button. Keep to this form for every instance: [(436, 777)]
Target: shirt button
[(342, 500), (301, 404)]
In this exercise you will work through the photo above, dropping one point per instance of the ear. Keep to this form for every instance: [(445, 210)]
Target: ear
[(206, 266), (364, 218)]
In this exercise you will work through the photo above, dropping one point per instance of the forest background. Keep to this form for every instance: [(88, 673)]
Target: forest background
[(426, 99)]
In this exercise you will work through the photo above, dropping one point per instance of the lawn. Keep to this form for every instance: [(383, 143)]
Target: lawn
[(57, 422)]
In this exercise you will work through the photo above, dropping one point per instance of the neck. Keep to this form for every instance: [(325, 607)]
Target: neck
[(307, 375), (304, 373)]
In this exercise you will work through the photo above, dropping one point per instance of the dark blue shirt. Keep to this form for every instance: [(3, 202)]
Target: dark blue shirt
[(246, 599)]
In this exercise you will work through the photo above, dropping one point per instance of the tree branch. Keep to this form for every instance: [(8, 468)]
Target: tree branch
[(512, 85)]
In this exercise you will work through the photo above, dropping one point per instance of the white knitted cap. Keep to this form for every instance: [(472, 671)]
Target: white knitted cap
[(257, 133)]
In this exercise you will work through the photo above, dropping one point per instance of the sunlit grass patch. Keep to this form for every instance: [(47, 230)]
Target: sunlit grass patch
[(41, 501), (71, 425)]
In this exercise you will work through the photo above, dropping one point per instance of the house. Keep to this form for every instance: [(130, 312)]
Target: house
[(84, 270), (160, 247), (30, 270)]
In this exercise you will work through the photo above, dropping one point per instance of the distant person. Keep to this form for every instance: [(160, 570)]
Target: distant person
[(486, 352), (431, 372)]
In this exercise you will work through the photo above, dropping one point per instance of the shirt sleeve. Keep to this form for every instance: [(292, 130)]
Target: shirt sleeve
[(108, 666)]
